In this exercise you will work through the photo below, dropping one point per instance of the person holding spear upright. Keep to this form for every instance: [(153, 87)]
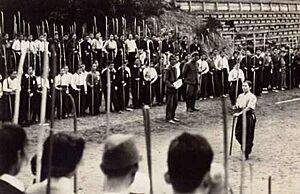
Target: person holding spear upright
[(246, 103)]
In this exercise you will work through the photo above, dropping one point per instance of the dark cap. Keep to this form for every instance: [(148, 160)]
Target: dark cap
[(120, 152)]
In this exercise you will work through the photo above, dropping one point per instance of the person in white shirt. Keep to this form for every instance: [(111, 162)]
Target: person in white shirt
[(110, 48), (150, 77), (203, 78), (13, 141), (131, 50), (19, 47), (223, 70), (236, 77), (79, 91), (10, 85), (97, 46), (68, 146), (61, 85), (246, 104)]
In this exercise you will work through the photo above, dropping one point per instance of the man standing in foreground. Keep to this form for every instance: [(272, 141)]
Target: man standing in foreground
[(190, 76), (172, 92)]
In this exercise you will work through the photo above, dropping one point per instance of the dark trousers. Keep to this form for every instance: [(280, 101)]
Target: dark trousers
[(25, 108), (297, 76), (250, 128), (159, 90), (275, 77), (113, 99), (37, 106), (62, 103), (137, 93), (222, 79), (234, 91), (131, 59), (80, 100), (149, 93), (182, 93), (191, 94), (203, 93), (8, 105), (94, 100), (210, 84), (258, 82), (267, 77), (123, 96), (172, 102), (98, 57)]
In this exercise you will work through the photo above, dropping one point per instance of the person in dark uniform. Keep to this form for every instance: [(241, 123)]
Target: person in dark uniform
[(86, 53), (123, 77), (190, 77), (184, 48), (72, 49), (114, 88), (160, 83), (28, 90), (257, 62), (12, 151), (172, 91), (246, 104), (195, 46), (94, 89), (246, 65), (137, 84)]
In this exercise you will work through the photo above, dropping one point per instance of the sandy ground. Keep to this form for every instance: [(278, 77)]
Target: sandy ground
[(276, 150)]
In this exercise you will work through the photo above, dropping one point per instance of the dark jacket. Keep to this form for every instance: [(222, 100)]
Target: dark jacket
[(190, 73), (170, 78), (6, 188)]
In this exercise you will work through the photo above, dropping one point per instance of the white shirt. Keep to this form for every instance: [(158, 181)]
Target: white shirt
[(41, 82), (61, 80), (13, 181), (203, 66), (234, 75), (97, 43), (246, 100), (10, 85), (79, 80), (110, 44), (150, 74), (131, 45), (19, 45), (141, 184), (61, 185)]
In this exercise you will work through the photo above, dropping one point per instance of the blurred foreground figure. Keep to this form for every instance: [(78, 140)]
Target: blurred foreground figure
[(190, 168), (12, 143), (67, 154), (120, 163)]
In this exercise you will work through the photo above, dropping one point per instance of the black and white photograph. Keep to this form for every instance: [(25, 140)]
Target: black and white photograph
[(149, 96)]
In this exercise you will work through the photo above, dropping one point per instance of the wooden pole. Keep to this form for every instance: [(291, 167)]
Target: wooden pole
[(244, 136), (2, 22), (134, 26), (146, 115), (225, 143), (19, 21), (95, 24), (108, 102), (42, 117), (106, 28), (17, 98)]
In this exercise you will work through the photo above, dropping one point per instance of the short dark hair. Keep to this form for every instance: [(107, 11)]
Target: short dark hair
[(12, 140), (249, 83), (120, 172), (67, 153), (189, 159)]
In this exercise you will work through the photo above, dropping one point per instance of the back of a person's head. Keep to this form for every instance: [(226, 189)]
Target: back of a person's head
[(67, 151), (120, 156), (12, 143), (189, 159)]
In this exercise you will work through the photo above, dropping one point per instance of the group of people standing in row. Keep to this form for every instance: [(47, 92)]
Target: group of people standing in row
[(139, 71)]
